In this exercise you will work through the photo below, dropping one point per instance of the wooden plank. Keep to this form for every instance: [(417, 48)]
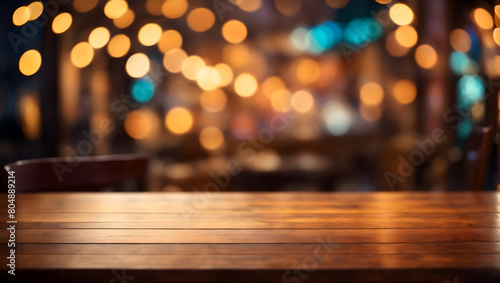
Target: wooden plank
[(267, 262), (256, 235), (257, 249)]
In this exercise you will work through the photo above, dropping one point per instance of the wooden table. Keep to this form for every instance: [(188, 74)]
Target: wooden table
[(256, 237)]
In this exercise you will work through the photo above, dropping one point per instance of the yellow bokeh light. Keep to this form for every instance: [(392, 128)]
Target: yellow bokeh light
[(192, 66), (496, 35), (460, 40), (83, 6), (174, 9), (62, 22), (211, 138), (288, 7), (137, 65), (245, 85), (154, 7), (302, 101), (149, 34), (426, 56), (99, 37), (248, 5), (21, 16), (30, 62), (271, 85), (234, 31), (393, 47), (125, 20), (138, 124), (31, 117), (401, 14), (169, 40), (406, 36), (237, 55), (173, 59), (307, 71), (371, 94), (82, 54), (370, 113), (337, 4), (200, 19), (405, 91), (281, 100), (115, 8), (482, 18), (179, 120), (225, 73), (208, 78), (118, 46), (213, 101), (35, 10)]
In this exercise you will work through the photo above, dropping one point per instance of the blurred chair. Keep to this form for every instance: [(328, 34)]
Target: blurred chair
[(90, 173), (476, 157)]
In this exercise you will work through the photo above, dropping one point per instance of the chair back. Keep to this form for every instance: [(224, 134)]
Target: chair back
[(477, 155)]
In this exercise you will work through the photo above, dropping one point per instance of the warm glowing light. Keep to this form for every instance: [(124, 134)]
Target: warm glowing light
[(234, 31), (371, 94), (307, 71), (35, 10), (29, 110), (174, 9), (208, 78), (149, 34), (213, 101), (249, 5), (384, 1), (271, 85), (288, 7), (99, 37), (200, 19), (426, 56), (62, 22), (460, 40), (237, 55), (115, 8), (118, 46), (302, 101), (211, 138), (405, 91), (406, 36), (83, 6), (192, 66), (173, 59), (21, 16), (280, 100), (137, 65), (496, 36), (125, 20), (225, 73), (138, 124), (393, 47), (482, 18), (169, 40), (30, 62), (370, 113), (337, 4), (179, 120), (245, 85), (82, 54), (154, 7), (401, 14)]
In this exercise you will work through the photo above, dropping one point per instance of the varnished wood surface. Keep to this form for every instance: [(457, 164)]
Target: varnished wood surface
[(182, 237)]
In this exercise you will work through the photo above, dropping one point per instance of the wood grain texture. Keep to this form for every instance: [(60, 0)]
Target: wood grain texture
[(420, 237)]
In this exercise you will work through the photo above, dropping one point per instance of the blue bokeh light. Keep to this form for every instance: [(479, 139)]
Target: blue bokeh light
[(470, 90), (142, 90)]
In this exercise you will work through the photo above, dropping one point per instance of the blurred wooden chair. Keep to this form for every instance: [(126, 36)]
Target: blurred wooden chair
[(477, 156), (89, 173)]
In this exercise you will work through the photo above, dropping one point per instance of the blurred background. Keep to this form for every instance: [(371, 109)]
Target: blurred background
[(347, 95)]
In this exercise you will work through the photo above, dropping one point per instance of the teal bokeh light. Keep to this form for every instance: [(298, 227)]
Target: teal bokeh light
[(470, 90), (142, 90)]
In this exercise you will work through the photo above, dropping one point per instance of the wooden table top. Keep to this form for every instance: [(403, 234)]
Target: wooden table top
[(275, 237)]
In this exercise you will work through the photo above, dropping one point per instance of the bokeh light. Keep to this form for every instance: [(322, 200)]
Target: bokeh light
[(426, 56), (173, 59), (179, 120), (192, 66), (35, 10), (62, 23), (31, 116), (208, 78), (271, 85), (211, 138), (337, 4), (174, 9), (339, 117), (82, 54), (137, 65), (496, 35), (149, 34), (153, 7), (460, 40), (118, 46), (30, 62), (125, 20), (370, 113), (138, 124), (248, 5), (213, 101), (281, 100), (114, 9), (225, 73), (170, 39), (404, 91), (288, 7), (406, 36), (142, 90), (21, 16), (401, 14), (482, 18), (302, 101), (83, 6), (371, 94), (200, 19), (99, 37), (234, 31), (245, 85), (307, 71), (393, 47)]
